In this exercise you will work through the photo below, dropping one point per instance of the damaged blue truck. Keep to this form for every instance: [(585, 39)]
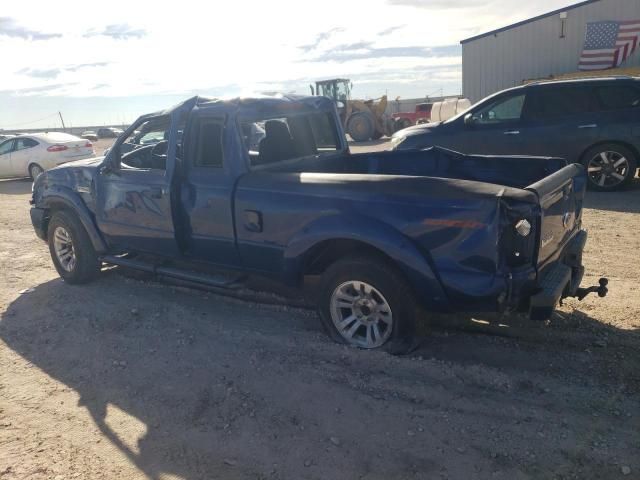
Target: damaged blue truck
[(373, 238)]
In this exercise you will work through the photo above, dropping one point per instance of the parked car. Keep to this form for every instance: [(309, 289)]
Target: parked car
[(373, 236), (109, 132), (407, 119), (89, 135), (594, 122), (5, 136), (30, 155)]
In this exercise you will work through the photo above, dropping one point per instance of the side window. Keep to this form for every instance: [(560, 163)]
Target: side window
[(618, 97), (504, 110), (273, 140), (24, 143), (210, 152), (324, 133), (6, 147), (556, 102)]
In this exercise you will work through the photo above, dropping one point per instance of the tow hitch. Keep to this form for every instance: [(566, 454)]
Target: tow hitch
[(601, 290)]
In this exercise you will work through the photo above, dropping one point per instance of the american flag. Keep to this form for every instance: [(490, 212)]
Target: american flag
[(608, 44)]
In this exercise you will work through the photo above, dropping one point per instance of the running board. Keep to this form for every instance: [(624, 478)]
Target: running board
[(217, 281)]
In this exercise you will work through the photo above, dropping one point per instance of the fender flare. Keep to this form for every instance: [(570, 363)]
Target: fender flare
[(72, 201), (377, 234)]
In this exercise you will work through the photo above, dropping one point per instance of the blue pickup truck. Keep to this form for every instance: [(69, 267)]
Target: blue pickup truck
[(374, 237)]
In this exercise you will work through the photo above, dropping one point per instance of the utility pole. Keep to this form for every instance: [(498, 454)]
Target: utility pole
[(62, 120)]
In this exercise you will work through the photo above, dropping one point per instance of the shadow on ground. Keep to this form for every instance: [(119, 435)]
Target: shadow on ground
[(235, 390), (627, 200), (18, 186)]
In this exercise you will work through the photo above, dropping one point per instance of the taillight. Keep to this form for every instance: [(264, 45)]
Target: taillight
[(88, 145), (57, 148)]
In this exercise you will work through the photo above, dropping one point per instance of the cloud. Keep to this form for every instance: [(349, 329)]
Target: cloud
[(9, 28), (390, 30), (321, 37), (365, 50), (54, 72), (75, 68), (39, 90), (40, 72), (120, 31)]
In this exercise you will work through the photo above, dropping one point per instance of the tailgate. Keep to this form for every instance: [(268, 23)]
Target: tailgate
[(560, 196)]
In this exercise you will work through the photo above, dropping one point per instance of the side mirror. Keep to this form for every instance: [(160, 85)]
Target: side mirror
[(469, 119)]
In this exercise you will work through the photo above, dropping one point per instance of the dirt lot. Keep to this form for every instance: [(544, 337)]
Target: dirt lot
[(129, 379)]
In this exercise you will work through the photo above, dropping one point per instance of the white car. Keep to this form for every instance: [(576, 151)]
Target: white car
[(31, 154)]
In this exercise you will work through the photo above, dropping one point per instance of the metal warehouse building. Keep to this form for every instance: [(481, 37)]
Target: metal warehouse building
[(544, 46)]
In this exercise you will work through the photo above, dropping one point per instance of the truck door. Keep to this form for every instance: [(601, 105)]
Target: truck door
[(134, 209), (207, 191)]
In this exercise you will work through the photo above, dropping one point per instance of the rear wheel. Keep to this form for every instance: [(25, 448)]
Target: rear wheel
[(610, 167), (366, 302), (360, 126), (71, 250), (35, 170)]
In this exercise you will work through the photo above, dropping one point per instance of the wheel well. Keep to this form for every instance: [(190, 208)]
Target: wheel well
[(53, 208), (319, 257), (626, 145)]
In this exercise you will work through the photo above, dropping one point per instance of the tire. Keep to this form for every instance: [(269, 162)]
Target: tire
[(368, 286), (66, 231), (35, 170), (377, 135), (600, 162), (360, 126)]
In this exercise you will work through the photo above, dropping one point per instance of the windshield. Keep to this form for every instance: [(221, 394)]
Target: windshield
[(335, 90)]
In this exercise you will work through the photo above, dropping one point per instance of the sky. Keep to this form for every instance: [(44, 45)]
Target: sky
[(104, 63)]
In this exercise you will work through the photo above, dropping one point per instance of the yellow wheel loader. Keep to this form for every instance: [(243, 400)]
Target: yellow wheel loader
[(363, 120)]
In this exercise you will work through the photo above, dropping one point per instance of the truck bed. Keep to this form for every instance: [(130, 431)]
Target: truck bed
[(516, 172)]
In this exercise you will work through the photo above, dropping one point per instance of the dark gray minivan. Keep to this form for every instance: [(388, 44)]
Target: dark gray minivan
[(595, 122)]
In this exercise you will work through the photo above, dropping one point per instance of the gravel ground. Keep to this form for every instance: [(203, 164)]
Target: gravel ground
[(126, 378)]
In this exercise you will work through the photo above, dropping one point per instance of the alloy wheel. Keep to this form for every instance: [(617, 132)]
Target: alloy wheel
[(608, 169), (63, 247), (361, 314)]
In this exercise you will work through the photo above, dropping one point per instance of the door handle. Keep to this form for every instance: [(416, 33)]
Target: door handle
[(157, 192), (253, 221), (592, 125), (512, 132)]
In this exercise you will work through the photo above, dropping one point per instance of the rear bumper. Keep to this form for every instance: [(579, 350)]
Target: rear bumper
[(38, 219), (559, 280)]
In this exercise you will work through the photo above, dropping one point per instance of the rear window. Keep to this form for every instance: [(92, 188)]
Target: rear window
[(22, 143), (549, 103), (618, 97), (275, 139)]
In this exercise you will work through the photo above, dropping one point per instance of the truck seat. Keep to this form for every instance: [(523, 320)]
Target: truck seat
[(277, 144)]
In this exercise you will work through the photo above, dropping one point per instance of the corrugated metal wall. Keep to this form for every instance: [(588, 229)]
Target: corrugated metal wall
[(535, 50)]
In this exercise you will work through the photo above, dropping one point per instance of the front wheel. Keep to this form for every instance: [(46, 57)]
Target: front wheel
[(71, 250), (361, 126), (610, 167), (366, 302)]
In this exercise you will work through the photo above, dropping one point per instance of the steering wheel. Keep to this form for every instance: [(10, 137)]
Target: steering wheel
[(159, 154), (160, 149)]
